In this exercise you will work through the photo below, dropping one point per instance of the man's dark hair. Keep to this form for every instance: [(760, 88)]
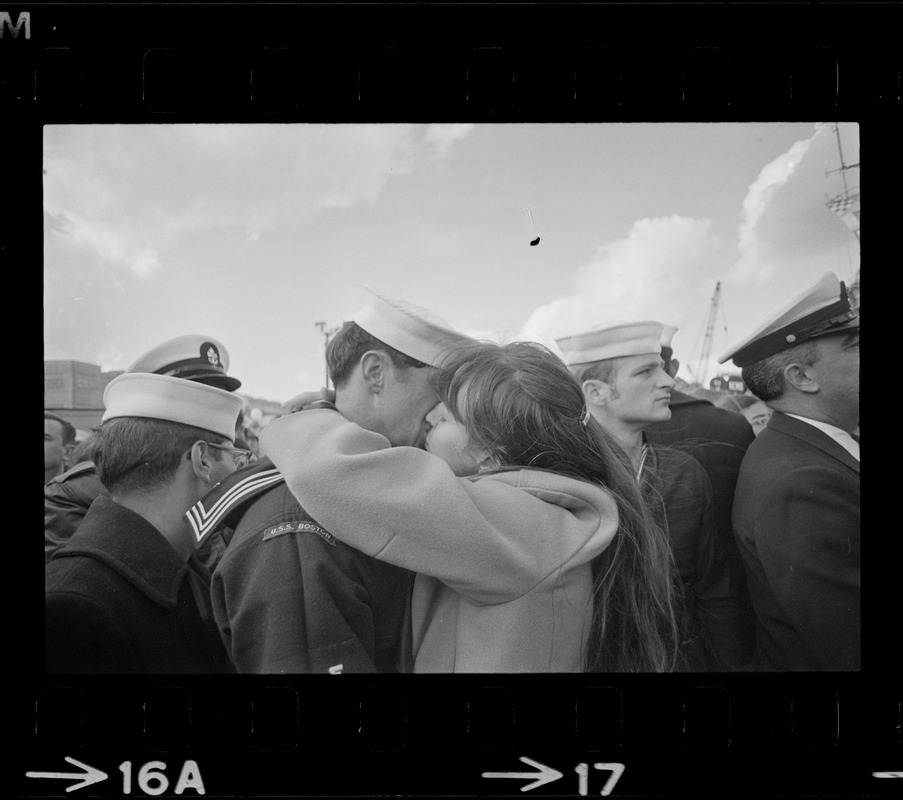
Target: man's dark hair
[(345, 349), (138, 453), (765, 378), (85, 450), (596, 371), (68, 427)]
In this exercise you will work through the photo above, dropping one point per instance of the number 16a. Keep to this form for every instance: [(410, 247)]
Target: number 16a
[(582, 771)]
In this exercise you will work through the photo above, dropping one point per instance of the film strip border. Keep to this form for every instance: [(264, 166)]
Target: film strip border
[(790, 734), (440, 737), (508, 62), (699, 83)]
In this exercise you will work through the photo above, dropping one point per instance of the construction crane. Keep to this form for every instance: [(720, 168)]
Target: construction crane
[(707, 339)]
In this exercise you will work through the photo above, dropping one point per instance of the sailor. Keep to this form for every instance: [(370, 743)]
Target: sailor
[(288, 596), (194, 357), (627, 388), (127, 593)]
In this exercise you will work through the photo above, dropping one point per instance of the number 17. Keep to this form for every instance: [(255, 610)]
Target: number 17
[(582, 771)]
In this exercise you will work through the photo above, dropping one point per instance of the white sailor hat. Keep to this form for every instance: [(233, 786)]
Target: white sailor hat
[(668, 332), (611, 341), (141, 394), (408, 328), (194, 357), (819, 310)]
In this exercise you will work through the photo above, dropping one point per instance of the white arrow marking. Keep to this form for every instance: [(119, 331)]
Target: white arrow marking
[(887, 774), (86, 778), (544, 776)]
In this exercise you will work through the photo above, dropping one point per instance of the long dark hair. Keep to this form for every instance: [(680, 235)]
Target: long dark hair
[(520, 403)]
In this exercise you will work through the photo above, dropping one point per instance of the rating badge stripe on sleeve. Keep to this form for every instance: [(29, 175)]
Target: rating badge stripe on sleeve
[(203, 520)]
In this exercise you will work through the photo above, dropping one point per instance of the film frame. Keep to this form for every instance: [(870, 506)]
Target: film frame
[(430, 736)]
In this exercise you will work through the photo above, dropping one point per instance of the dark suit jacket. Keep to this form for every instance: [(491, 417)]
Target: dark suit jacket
[(796, 518)]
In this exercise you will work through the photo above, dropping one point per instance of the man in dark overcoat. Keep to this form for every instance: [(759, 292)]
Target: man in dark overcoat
[(127, 593), (717, 439), (796, 506)]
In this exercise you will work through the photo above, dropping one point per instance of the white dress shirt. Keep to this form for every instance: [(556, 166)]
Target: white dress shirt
[(843, 438)]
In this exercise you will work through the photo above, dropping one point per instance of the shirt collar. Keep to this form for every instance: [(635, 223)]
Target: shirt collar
[(838, 434)]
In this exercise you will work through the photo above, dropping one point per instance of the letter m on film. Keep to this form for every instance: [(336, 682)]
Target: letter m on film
[(23, 22)]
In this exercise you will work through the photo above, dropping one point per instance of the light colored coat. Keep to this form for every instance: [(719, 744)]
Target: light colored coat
[(504, 581)]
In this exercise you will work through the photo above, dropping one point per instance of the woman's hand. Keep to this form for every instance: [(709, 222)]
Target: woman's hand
[(299, 401)]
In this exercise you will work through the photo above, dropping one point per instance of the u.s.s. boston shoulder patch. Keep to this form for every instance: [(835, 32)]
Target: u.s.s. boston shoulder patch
[(298, 526)]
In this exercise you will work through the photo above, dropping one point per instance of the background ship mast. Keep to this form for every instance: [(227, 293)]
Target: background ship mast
[(846, 206)]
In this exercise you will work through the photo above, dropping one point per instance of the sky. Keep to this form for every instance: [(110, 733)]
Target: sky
[(254, 234)]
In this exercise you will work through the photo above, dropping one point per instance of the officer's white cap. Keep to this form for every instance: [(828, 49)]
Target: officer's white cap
[(408, 328), (140, 394), (195, 357), (611, 341), (818, 310)]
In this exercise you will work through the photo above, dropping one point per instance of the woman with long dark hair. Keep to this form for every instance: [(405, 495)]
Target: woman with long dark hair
[(532, 545)]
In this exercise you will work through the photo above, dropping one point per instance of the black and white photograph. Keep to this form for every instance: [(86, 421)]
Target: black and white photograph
[(550, 265), (503, 447)]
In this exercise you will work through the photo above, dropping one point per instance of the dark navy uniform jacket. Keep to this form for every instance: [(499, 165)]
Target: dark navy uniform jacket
[(119, 599), (67, 499), (288, 597), (717, 439), (796, 518), (679, 483)]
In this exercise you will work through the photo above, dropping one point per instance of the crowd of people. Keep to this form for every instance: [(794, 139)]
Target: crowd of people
[(454, 505)]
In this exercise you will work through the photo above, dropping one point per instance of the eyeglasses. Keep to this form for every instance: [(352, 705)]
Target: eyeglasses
[(240, 457)]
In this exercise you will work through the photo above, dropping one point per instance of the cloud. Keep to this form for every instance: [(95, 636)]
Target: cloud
[(129, 192), (120, 244), (441, 138), (753, 263), (646, 275)]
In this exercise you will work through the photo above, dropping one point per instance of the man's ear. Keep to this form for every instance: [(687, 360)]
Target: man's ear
[(595, 391), (373, 370), (673, 367), (201, 457), (801, 377)]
